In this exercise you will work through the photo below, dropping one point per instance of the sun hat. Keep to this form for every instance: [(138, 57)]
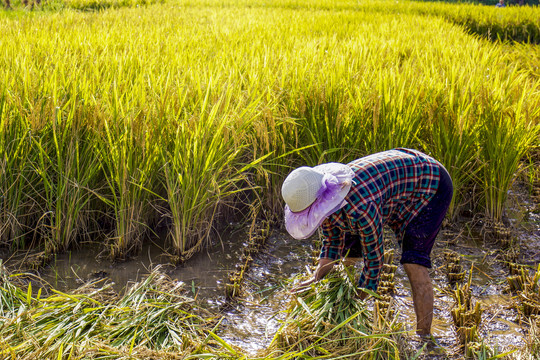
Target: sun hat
[(311, 194)]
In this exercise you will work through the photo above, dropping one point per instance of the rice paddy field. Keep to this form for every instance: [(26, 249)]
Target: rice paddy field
[(129, 122)]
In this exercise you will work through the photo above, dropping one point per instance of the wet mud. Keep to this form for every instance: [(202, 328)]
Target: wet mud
[(251, 320)]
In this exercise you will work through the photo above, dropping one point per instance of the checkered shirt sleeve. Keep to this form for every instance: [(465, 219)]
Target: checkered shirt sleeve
[(389, 188)]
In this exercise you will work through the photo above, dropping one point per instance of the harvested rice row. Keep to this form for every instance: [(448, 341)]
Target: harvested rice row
[(258, 235), (329, 320), (466, 314), (154, 317)]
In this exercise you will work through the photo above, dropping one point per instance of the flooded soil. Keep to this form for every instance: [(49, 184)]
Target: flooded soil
[(251, 321)]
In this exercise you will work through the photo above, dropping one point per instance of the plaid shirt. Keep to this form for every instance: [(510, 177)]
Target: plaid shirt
[(389, 188)]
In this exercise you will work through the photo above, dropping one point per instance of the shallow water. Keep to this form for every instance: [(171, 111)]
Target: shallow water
[(248, 323), (251, 322), (203, 273)]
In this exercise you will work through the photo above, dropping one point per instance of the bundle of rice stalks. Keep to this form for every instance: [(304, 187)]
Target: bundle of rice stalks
[(527, 288), (386, 283), (512, 254), (497, 231), (330, 321), (154, 316), (520, 280), (530, 305), (467, 317), (516, 283), (389, 258), (516, 269)]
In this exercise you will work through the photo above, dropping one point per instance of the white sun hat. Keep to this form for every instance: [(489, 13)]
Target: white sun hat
[(312, 194)]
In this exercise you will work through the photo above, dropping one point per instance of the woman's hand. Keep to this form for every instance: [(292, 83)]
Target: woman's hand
[(323, 268), (303, 286)]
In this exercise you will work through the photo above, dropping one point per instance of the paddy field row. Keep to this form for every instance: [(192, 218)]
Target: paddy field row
[(188, 114)]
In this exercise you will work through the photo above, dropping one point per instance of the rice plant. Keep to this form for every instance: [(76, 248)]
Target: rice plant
[(68, 169), (325, 128), (129, 154), (204, 166), (456, 148), (16, 180), (395, 118), (508, 133), (455, 136), (276, 139)]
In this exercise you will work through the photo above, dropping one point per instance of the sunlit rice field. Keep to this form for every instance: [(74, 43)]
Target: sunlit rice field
[(121, 118), (114, 121)]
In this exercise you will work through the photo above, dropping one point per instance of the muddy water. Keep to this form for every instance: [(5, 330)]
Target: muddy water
[(251, 322), (203, 273), (248, 323)]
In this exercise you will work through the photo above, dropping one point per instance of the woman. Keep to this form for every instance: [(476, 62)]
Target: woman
[(405, 189)]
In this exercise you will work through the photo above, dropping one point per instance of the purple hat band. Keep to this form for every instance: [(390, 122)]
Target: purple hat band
[(334, 187)]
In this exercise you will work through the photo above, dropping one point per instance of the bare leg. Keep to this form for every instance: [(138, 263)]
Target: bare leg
[(422, 292)]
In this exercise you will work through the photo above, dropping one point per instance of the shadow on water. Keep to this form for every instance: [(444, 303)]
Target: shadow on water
[(251, 321)]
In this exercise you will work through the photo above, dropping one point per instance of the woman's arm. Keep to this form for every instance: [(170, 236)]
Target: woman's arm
[(323, 268)]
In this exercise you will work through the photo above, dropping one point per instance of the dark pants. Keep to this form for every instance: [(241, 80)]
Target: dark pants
[(420, 234)]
